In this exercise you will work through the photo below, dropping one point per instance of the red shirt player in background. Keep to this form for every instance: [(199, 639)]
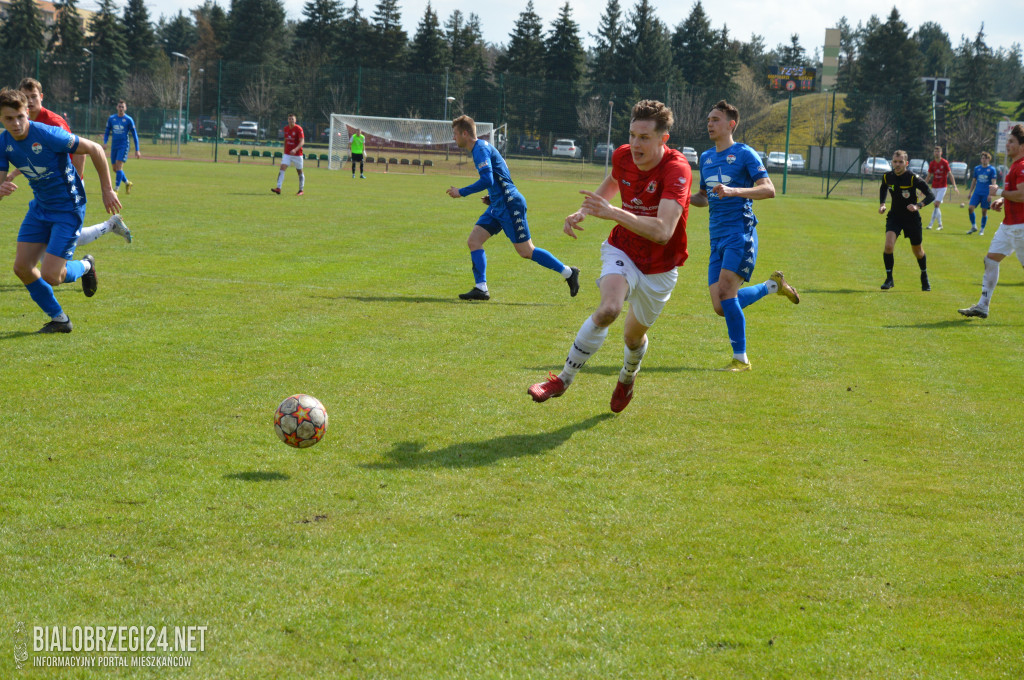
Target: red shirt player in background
[(293, 139), (1010, 235), (938, 174), (640, 257)]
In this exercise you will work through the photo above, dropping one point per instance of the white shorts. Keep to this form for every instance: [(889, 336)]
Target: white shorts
[(1008, 238), (294, 161), (648, 293), (939, 194)]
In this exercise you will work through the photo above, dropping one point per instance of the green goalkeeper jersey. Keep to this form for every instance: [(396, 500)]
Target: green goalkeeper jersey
[(357, 143)]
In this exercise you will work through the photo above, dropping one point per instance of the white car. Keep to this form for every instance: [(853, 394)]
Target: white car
[(690, 154), (875, 165), (796, 162), (170, 129), (248, 129), (566, 148), (918, 166), (959, 171), (777, 159)]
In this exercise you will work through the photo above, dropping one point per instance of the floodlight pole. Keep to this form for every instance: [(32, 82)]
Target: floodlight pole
[(785, 165), (188, 98), (608, 144), (88, 111), (447, 99)]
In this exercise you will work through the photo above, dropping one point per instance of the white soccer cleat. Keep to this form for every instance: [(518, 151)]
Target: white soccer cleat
[(118, 226)]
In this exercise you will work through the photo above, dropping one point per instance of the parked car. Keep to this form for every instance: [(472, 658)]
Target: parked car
[(776, 159), (959, 171), (170, 129), (690, 154), (208, 128), (248, 129), (918, 166), (796, 162), (566, 148), (531, 147), (875, 165), (603, 152)]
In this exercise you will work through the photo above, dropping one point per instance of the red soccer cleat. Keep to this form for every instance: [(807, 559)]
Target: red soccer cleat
[(552, 387), (621, 396)]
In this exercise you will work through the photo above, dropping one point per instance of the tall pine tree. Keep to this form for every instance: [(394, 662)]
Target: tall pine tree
[(110, 55), (647, 48), (606, 66), (429, 50), (140, 38), (65, 78), (389, 39)]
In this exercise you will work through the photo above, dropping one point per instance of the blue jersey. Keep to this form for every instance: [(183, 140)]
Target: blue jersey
[(739, 167), (44, 157), (983, 178), (494, 176), (118, 129)]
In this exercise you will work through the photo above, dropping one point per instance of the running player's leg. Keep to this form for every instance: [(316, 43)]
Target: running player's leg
[(892, 231), (913, 232), (482, 230)]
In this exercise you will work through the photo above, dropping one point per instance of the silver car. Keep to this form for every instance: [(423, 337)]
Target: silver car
[(796, 162), (875, 165), (690, 154), (566, 148), (959, 171)]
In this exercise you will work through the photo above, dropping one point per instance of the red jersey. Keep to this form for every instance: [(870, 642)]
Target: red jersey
[(641, 193), (293, 137), (47, 117), (1014, 180), (939, 171)]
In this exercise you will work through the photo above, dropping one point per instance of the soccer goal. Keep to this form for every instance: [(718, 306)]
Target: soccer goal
[(391, 136)]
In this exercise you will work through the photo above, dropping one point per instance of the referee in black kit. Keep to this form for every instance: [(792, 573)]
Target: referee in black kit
[(905, 215)]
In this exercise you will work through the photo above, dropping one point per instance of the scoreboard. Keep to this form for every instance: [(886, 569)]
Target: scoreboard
[(791, 78)]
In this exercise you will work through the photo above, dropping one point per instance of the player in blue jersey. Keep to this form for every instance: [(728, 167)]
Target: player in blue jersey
[(984, 177), (119, 127), (732, 177), (54, 219), (506, 212)]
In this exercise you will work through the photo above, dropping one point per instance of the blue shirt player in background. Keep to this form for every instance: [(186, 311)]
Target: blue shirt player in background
[(119, 126), (732, 177), (984, 176), (42, 154), (506, 212)]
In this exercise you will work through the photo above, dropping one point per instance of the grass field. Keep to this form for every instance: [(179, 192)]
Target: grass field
[(850, 508)]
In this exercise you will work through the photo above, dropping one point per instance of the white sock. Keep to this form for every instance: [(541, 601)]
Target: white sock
[(936, 214), (302, 182), (280, 179), (587, 342), (631, 361), (482, 286), (988, 282), (62, 318), (87, 265), (742, 357), (566, 272), (90, 234), (772, 286)]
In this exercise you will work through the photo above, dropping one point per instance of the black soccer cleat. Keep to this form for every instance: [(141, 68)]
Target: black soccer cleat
[(56, 327), (475, 294), (574, 281), (888, 284), (925, 286), (89, 281)]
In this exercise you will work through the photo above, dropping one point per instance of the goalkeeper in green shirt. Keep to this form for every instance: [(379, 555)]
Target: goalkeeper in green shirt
[(356, 145)]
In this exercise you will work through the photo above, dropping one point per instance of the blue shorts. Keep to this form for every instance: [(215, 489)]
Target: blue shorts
[(118, 153), (59, 229), (735, 252), (510, 218), (981, 199)]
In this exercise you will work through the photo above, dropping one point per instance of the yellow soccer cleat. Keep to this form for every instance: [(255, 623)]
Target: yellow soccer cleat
[(127, 187), (736, 366), (784, 288)]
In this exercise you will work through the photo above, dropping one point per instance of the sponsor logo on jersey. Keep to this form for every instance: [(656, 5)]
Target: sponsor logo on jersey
[(637, 202), (620, 263), (37, 147), (708, 161), (72, 142), (621, 180), (10, 148), (760, 168)]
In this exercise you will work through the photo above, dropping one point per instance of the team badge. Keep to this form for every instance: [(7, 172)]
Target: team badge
[(652, 187), (37, 147), (731, 158), (906, 194)]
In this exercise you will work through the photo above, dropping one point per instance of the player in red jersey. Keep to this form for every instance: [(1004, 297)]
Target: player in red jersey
[(938, 174), (640, 257), (1010, 235), (293, 139)]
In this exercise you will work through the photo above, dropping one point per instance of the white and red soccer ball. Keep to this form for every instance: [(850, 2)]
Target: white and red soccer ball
[(300, 421)]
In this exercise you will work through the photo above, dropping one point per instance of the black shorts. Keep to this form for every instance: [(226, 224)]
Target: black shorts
[(909, 225), (357, 157)]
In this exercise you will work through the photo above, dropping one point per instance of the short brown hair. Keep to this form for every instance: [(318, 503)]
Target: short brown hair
[(901, 153), (121, 101), (30, 84), (652, 109), (1018, 132), (986, 153), (14, 99), (730, 111), (464, 124)]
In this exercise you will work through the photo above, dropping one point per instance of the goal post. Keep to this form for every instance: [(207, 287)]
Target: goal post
[(390, 136)]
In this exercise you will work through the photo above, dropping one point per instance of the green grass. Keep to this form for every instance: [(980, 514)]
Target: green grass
[(851, 508)]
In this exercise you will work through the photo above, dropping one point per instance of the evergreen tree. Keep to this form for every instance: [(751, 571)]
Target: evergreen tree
[(177, 34), (936, 50), (109, 53), (606, 66), (67, 39), (353, 38), (257, 33), (972, 89), (1008, 72), (22, 29), (525, 54), (754, 55), (849, 41), (213, 30), (792, 54), (429, 50), (140, 38), (388, 41), (647, 47), (701, 55), (563, 49), (481, 99), (320, 25)]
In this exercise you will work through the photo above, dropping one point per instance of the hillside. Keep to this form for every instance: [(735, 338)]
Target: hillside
[(811, 118)]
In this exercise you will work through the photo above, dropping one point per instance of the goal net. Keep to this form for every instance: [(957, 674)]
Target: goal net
[(392, 137)]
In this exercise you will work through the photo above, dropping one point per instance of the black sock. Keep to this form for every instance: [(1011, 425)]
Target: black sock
[(922, 262), (889, 260)]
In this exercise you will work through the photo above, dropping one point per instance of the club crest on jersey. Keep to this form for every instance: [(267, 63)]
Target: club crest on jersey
[(652, 187), (906, 194), (37, 147), (731, 158)]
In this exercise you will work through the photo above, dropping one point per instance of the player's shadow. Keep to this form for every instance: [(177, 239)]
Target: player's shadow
[(614, 370), (11, 287), (10, 335), (258, 476), (946, 323), (415, 299), (831, 291), (410, 455)]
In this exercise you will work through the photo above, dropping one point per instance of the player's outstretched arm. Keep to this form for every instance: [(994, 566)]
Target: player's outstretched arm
[(99, 160), (763, 188), (607, 189), (658, 229), (699, 199)]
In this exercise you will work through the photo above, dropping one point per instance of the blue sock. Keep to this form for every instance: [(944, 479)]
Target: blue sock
[(984, 220), (75, 271), (972, 217), (736, 324), (479, 258), (748, 295), (42, 294), (546, 259)]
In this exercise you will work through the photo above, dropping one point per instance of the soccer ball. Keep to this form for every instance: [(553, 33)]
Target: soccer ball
[(300, 421)]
